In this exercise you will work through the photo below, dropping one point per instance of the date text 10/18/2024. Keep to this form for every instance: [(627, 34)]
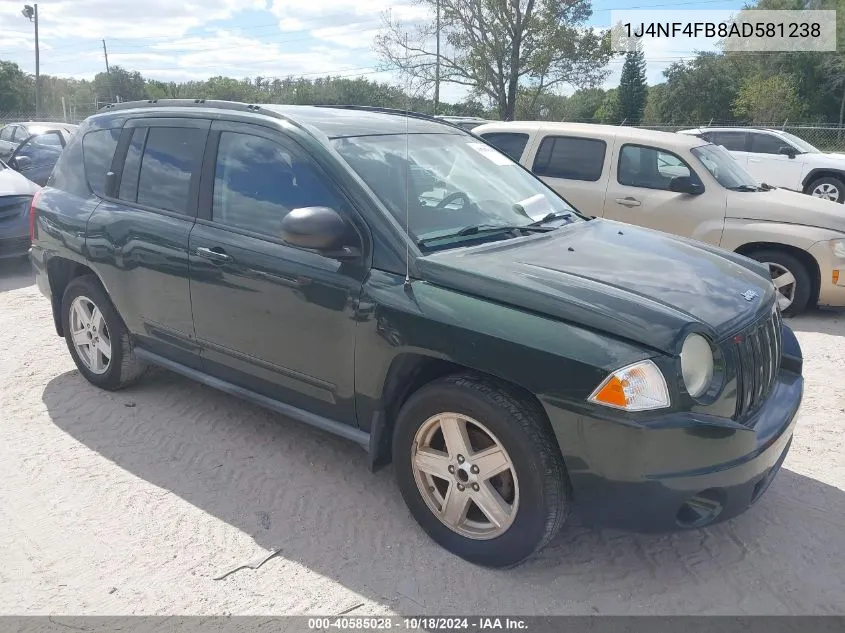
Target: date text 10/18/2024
[(480, 623)]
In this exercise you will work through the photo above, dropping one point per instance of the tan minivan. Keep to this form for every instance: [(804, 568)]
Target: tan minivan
[(684, 185)]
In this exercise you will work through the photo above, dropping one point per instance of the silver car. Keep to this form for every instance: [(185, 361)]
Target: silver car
[(13, 134)]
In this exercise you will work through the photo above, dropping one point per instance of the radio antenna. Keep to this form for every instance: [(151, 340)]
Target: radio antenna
[(407, 177)]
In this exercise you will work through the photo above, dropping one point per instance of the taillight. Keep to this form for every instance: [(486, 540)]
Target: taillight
[(32, 217)]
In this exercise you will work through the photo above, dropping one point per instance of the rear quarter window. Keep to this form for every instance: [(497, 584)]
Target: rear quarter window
[(98, 149), (511, 144), (570, 157)]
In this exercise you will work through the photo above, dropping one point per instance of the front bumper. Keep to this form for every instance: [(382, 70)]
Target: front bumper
[(688, 470), (832, 275)]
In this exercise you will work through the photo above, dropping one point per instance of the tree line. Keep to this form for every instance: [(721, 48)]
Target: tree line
[(514, 58)]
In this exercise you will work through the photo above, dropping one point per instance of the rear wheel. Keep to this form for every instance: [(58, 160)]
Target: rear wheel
[(791, 278), (827, 188), (480, 470), (96, 337)]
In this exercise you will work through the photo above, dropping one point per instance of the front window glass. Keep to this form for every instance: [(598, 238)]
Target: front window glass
[(453, 182), (724, 167), (800, 143)]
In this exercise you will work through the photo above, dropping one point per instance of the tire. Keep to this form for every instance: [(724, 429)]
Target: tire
[(779, 261), (122, 368), (834, 188), (539, 492)]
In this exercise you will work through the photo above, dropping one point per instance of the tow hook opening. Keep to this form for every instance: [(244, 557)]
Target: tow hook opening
[(701, 509)]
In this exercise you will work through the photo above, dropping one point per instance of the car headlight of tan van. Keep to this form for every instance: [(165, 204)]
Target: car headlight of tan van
[(838, 247)]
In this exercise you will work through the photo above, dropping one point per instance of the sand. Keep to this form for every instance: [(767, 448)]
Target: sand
[(134, 502)]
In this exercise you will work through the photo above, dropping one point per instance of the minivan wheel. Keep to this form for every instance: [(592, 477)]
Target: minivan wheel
[(96, 337), (827, 188), (790, 277), (480, 470)]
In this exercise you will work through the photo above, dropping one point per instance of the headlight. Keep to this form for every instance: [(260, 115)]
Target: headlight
[(838, 247), (696, 364), (637, 387)]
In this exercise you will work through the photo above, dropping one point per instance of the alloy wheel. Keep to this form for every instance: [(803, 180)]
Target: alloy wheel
[(90, 335), (826, 191), (785, 284), (465, 476)]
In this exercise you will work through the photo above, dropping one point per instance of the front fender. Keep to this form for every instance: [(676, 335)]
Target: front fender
[(739, 232)]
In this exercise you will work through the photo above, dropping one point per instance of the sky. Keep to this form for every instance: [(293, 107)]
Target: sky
[(171, 40)]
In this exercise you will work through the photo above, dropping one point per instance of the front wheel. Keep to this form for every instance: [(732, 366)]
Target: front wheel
[(790, 277), (827, 188), (480, 470)]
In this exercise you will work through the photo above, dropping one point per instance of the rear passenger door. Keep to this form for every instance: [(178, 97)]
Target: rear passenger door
[(139, 234), (272, 318), (573, 166)]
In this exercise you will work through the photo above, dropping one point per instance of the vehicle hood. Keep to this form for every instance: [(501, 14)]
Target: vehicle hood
[(635, 283), (782, 205), (13, 184), (835, 158)]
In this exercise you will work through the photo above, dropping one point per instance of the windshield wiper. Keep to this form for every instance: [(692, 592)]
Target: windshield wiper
[(483, 228), (745, 188), (556, 215)]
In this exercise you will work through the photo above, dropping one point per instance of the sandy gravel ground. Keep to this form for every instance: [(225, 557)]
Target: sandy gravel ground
[(133, 502)]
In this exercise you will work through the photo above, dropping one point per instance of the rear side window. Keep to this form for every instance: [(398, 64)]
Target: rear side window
[(21, 133), (731, 141), (6, 133), (510, 144), (171, 156), (98, 151), (570, 157), (132, 166)]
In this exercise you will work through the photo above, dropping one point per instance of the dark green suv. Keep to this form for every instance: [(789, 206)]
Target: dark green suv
[(395, 280)]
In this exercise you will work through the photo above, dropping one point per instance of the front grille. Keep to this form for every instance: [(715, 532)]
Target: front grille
[(757, 351)]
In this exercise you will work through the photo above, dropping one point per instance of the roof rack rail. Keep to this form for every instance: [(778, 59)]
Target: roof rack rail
[(206, 103)]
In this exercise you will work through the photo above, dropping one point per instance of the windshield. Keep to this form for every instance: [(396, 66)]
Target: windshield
[(800, 143), (453, 181), (723, 167)]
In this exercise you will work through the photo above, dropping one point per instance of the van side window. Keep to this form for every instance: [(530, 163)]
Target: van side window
[(570, 157), (98, 151), (731, 141), (650, 167), (257, 181), (171, 156), (511, 144)]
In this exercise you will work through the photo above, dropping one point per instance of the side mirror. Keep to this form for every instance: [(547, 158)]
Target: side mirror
[(19, 163), (317, 228), (788, 150), (685, 184)]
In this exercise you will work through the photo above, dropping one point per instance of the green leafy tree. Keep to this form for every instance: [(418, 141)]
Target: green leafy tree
[(767, 100), (127, 85), (17, 89), (582, 105), (496, 47), (633, 88), (610, 110)]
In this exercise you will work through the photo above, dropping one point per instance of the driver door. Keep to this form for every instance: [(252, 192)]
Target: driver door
[(270, 317), (638, 193), (36, 156)]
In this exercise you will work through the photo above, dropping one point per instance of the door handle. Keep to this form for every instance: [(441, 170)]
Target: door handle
[(215, 254), (628, 202)]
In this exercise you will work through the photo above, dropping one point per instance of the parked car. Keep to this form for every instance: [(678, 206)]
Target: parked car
[(389, 288), (781, 159), (15, 198), (13, 134), (685, 185), (37, 155)]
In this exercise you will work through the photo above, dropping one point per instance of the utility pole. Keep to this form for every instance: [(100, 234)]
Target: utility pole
[(31, 14), (437, 64), (108, 72)]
